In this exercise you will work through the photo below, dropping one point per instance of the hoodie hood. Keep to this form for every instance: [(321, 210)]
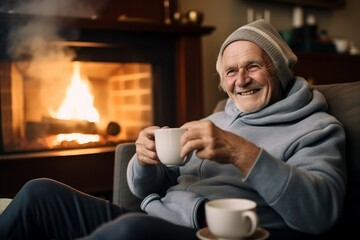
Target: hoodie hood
[(299, 103)]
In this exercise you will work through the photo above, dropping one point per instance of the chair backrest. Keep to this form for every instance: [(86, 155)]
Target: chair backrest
[(344, 104), (121, 191)]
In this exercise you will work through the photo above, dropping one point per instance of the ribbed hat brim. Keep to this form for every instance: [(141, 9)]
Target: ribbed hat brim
[(268, 38)]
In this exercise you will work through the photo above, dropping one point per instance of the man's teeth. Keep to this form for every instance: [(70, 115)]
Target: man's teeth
[(249, 92)]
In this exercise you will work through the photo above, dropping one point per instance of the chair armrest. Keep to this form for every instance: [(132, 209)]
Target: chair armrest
[(121, 192)]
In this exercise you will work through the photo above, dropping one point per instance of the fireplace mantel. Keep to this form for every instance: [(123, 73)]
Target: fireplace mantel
[(79, 170)]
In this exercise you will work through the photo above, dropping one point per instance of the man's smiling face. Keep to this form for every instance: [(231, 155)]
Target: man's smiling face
[(248, 76)]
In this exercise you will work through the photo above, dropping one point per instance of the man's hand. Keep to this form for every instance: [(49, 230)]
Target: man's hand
[(145, 146), (213, 143)]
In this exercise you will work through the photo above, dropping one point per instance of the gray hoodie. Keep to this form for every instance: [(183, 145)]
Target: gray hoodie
[(298, 179)]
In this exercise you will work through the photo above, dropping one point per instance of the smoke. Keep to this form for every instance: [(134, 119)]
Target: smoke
[(35, 45), (35, 37)]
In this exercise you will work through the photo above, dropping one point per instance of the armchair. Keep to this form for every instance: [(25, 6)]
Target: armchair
[(344, 104)]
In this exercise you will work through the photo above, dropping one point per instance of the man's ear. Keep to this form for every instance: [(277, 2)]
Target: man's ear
[(221, 86)]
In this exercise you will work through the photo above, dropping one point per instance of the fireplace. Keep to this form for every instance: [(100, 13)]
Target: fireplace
[(125, 80), (123, 76)]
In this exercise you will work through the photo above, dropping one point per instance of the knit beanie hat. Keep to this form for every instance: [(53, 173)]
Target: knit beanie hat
[(268, 38)]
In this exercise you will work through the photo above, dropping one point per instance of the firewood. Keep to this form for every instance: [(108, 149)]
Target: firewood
[(57, 126)]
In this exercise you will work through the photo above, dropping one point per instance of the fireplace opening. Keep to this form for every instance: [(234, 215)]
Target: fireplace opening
[(85, 104)]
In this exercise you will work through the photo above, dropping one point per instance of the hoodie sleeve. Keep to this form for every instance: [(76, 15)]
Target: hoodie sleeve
[(145, 180), (308, 189)]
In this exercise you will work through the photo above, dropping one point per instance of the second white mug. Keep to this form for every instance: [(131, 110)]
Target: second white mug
[(231, 218)]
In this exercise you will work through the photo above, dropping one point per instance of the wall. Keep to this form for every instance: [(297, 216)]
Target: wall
[(228, 15)]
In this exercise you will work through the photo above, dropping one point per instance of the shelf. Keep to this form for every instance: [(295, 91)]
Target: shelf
[(310, 3), (327, 68), (135, 25)]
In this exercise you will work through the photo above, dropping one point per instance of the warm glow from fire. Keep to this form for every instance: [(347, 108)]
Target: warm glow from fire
[(78, 137), (78, 105)]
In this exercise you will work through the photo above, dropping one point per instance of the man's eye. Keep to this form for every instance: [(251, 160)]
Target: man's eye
[(253, 67), (230, 73)]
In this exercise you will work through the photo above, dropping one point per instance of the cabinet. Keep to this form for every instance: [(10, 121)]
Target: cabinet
[(89, 170), (327, 68), (309, 3)]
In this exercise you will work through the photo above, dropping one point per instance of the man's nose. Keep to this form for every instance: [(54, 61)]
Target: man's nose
[(242, 77)]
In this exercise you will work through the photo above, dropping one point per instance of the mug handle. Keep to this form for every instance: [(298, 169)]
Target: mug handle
[(252, 217)]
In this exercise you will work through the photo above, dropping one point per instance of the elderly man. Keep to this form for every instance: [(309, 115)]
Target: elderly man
[(274, 143)]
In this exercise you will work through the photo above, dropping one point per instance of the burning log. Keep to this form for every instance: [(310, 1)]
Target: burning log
[(49, 126), (57, 126)]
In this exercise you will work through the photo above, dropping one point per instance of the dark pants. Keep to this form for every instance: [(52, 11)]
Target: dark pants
[(46, 209)]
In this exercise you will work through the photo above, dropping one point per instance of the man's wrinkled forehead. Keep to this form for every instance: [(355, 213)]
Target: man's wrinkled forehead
[(244, 52)]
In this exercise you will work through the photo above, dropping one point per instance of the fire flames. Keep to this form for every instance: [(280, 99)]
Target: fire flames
[(77, 105)]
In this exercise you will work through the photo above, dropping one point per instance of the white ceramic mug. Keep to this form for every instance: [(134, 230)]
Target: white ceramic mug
[(341, 45), (168, 147), (231, 218)]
